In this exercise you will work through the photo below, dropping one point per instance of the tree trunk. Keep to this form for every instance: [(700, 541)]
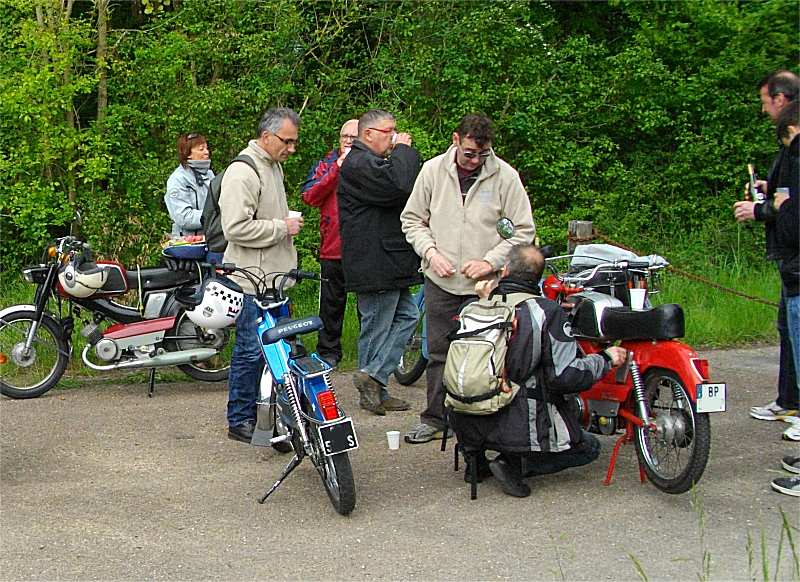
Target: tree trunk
[(102, 55)]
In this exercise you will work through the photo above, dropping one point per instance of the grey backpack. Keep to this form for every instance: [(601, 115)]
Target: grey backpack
[(475, 380)]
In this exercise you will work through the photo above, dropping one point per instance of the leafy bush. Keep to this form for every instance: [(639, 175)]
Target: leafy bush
[(637, 115)]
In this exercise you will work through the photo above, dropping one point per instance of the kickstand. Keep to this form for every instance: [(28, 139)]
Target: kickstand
[(152, 388), (289, 468)]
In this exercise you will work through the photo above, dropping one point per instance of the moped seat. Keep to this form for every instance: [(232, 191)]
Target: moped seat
[(660, 322), (292, 328), (155, 278)]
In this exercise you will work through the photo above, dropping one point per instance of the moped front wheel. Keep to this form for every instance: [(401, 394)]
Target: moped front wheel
[(337, 478), (28, 373), (673, 452)]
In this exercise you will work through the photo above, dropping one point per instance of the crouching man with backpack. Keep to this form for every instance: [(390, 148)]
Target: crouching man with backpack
[(537, 430)]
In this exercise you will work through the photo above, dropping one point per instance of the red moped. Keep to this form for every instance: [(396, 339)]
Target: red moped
[(661, 399)]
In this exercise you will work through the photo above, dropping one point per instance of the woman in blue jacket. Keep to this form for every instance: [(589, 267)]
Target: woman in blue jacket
[(189, 184)]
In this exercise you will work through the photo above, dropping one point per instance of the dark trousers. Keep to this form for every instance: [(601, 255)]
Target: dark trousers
[(332, 304), (787, 375), (440, 309), (538, 463)]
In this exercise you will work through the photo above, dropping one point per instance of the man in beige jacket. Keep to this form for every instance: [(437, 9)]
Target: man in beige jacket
[(461, 202), (255, 221)]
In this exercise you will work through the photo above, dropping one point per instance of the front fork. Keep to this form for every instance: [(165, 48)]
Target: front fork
[(40, 301)]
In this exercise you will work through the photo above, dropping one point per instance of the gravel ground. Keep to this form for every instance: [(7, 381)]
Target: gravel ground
[(102, 483)]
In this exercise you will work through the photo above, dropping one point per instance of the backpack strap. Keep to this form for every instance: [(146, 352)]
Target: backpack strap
[(455, 334), (249, 161)]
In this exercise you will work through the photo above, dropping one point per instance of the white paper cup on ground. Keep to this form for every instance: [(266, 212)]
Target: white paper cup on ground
[(295, 214), (393, 436), (637, 298)]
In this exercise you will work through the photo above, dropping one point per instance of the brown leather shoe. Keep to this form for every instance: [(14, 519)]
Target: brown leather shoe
[(393, 404), (370, 392)]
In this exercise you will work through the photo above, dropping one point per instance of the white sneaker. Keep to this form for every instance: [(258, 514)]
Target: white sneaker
[(792, 433), (791, 464), (787, 485), (771, 411)]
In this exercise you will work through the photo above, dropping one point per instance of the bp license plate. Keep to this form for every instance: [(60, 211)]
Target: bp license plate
[(711, 397), (338, 437)]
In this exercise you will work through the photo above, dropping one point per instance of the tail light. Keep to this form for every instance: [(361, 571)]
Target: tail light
[(701, 366), (327, 402)]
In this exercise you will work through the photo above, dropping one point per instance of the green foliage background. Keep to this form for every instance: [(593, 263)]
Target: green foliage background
[(640, 116)]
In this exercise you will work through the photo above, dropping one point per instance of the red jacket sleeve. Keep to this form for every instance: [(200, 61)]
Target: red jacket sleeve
[(323, 186)]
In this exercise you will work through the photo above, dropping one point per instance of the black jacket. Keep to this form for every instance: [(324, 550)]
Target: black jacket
[(787, 223), (547, 363), (782, 174), (372, 193)]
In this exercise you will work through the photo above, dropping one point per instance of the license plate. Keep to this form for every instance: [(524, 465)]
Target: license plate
[(338, 437), (711, 397)]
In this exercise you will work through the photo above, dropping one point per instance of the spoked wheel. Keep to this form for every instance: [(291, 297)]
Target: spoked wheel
[(674, 455), (337, 477), (412, 362), (216, 368), (32, 372)]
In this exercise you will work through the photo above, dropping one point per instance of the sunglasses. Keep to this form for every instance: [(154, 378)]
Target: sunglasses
[(192, 136), (472, 155)]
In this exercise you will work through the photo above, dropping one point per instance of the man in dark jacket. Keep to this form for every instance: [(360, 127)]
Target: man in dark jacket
[(539, 431), (776, 91), (319, 190), (375, 182)]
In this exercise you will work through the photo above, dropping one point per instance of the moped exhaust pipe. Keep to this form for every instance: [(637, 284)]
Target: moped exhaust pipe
[(165, 359)]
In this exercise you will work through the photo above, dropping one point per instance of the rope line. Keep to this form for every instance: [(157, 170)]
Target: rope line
[(682, 273)]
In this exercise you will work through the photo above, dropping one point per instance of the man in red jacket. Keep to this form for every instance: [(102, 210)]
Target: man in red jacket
[(319, 190)]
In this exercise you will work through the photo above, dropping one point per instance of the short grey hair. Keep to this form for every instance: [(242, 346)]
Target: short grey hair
[(273, 118), (525, 262), (371, 117)]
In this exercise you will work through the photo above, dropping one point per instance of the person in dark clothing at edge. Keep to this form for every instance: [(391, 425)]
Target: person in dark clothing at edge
[(538, 432), (787, 236), (375, 181), (319, 190), (776, 91)]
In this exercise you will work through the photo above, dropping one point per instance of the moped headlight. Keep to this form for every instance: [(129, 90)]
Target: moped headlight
[(27, 274)]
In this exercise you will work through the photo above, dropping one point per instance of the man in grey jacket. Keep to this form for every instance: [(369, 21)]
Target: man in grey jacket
[(452, 220), (256, 223)]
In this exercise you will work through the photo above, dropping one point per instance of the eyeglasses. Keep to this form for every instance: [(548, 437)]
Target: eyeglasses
[(288, 142), (386, 130), (347, 136), (472, 155)]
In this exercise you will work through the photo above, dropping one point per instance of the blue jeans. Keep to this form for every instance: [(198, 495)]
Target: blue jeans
[(793, 331), (787, 372), (247, 363), (387, 320)]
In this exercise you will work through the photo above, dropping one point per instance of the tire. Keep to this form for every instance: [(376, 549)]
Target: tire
[(214, 369), (31, 375), (337, 477), (412, 363), (674, 456)]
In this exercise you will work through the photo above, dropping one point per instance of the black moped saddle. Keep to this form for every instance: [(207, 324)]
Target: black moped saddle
[(623, 323), (291, 328), (155, 278)]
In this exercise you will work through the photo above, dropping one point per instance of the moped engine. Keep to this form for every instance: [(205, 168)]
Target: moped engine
[(107, 350)]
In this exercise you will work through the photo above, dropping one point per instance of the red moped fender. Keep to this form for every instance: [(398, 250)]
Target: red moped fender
[(669, 355)]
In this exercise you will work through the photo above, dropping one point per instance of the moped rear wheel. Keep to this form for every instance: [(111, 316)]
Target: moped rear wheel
[(216, 368), (412, 363), (30, 373), (675, 453), (337, 477)]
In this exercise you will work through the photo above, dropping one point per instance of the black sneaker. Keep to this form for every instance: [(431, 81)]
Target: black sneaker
[(242, 432), (787, 485), (509, 479)]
